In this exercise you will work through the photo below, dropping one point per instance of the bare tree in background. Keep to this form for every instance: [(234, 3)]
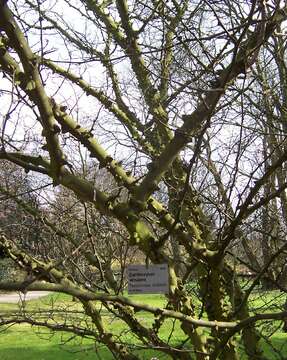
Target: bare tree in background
[(171, 99)]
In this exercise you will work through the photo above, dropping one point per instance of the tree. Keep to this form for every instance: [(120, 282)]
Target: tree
[(16, 191), (170, 87)]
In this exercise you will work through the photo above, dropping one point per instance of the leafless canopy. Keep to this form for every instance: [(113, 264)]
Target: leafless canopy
[(153, 132)]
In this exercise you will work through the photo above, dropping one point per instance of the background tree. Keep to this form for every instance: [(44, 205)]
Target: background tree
[(14, 222), (165, 96)]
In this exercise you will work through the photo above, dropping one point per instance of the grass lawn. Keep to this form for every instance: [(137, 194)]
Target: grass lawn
[(24, 342)]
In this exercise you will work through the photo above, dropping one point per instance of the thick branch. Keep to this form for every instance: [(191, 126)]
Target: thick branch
[(32, 85), (205, 109)]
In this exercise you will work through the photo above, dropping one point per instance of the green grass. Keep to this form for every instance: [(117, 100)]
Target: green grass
[(28, 342), (23, 342), (32, 343)]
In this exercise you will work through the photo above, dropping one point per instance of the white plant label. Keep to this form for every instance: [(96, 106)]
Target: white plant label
[(153, 279)]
